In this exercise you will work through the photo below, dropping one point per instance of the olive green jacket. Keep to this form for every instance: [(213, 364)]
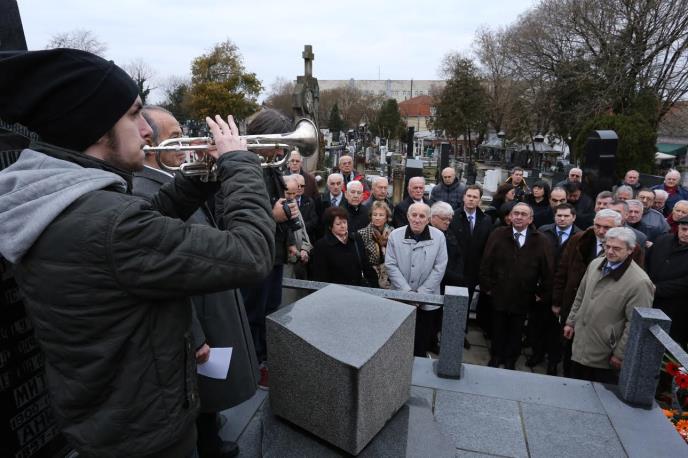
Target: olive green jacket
[(601, 313)]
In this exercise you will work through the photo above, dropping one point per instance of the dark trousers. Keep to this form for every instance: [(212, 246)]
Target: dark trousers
[(483, 313), (209, 440), (428, 324), (507, 329), (594, 374), (259, 302), (567, 351), (545, 333)]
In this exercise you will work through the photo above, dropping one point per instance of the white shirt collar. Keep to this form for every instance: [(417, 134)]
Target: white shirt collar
[(566, 231)]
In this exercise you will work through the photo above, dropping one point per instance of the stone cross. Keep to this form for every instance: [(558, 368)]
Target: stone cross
[(308, 57)]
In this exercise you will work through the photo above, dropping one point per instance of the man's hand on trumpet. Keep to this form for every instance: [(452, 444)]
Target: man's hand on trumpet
[(225, 135)]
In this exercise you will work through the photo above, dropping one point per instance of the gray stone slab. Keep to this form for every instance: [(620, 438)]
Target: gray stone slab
[(643, 357), (427, 394), (513, 385), (567, 433), (454, 316), (412, 432), (239, 416), (643, 432), (251, 438), (481, 424), (340, 363), (467, 454)]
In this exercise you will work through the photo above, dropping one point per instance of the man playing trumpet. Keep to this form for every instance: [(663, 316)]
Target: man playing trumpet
[(106, 275)]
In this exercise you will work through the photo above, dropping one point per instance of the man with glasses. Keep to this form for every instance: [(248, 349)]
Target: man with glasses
[(613, 285), (346, 168), (581, 249), (294, 167)]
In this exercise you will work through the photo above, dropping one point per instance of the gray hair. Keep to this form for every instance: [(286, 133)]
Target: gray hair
[(425, 207), (609, 213), (335, 175), (355, 183), (634, 203), (145, 112), (441, 209), (605, 195), (673, 172), (661, 193), (624, 234), (523, 204), (289, 179), (623, 188), (377, 179)]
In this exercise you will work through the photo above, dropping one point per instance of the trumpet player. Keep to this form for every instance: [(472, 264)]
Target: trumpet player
[(219, 319), (106, 275)]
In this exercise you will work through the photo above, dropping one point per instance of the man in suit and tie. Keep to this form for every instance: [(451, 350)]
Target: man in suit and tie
[(471, 227), (333, 197), (516, 271), (543, 324)]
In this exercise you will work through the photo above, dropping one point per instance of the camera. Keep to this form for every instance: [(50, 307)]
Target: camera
[(293, 224)]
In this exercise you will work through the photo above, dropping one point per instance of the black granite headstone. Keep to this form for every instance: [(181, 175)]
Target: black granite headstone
[(28, 428), (599, 167)]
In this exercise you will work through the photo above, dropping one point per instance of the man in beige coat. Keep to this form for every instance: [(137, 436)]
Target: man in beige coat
[(612, 287)]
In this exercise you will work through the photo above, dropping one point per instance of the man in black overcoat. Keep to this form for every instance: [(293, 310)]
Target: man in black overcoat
[(516, 270)]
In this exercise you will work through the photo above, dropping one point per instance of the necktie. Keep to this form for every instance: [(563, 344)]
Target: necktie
[(599, 248), (605, 270), (334, 201), (470, 221), (561, 237), (517, 238)]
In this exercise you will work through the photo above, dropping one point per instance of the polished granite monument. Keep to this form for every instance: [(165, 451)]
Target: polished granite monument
[(340, 364)]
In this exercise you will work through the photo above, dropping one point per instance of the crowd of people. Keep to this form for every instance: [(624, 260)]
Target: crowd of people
[(132, 275), (528, 256)]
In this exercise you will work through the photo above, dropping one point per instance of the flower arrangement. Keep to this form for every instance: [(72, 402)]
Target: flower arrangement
[(678, 398)]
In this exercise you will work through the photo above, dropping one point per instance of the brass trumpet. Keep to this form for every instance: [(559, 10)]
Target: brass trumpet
[(304, 138)]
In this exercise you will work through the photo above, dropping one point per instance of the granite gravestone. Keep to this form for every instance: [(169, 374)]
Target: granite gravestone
[(340, 364)]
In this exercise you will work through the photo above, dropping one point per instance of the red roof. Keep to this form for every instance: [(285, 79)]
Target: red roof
[(416, 106)]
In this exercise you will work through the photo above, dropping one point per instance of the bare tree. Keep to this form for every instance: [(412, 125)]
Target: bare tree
[(280, 96), (142, 74), (82, 39)]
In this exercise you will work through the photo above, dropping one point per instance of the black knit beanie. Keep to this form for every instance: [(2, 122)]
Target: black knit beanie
[(70, 98)]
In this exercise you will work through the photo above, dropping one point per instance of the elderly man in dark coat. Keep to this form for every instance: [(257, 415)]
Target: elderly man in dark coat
[(667, 266), (416, 189), (219, 319), (516, 271)]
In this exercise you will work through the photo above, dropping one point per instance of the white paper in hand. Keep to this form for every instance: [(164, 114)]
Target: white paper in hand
[(217, 365)]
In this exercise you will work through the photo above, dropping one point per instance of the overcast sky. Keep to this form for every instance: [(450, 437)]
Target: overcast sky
[(351, 39)]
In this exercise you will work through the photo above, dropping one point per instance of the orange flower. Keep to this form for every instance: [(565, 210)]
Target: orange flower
[(668, 413), (682, 425)]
